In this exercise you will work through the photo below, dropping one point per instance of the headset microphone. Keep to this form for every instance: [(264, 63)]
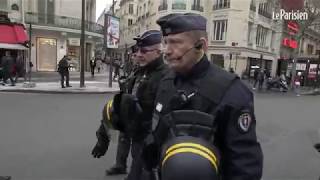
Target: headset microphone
[(198, 45)]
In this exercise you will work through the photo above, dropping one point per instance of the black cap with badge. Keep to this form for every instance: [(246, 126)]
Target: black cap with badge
[(178, 23), (149, 38)]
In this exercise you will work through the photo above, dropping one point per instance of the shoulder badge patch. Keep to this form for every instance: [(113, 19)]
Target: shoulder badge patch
[(245, 121)]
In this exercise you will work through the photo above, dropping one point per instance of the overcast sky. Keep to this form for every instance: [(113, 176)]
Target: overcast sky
[(101, 4)]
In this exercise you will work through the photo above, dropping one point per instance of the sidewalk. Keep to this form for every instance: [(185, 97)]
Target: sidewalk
[(305, 90), (49, 82)]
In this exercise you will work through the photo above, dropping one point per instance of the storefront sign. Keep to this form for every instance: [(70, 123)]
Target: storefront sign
[(74, 41), (290, 43), (312, 71), (293, 27)]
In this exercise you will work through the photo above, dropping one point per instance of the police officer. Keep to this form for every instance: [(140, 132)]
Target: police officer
[(143, 85), (124, 141), (198, 102)]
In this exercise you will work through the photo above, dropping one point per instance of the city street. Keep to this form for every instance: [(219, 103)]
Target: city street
[(50, 137)]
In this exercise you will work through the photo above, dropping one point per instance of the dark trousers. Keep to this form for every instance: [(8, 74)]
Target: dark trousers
[(7, 75), (123, 149), (261, 84), (137, 172), (92, 70), (64, 74), (255, 83)]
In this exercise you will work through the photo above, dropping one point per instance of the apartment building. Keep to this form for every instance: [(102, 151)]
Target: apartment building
[(242, 33)]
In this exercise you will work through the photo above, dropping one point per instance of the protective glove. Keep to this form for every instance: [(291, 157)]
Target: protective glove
[(102, 144), (150, 153), (99, 149)]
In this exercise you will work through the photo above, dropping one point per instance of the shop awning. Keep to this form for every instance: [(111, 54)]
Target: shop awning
[(13, 46), (13, 34)]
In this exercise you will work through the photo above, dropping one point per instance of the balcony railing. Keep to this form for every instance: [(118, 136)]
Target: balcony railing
[(179, 6), (163, 7), (197, 8), (265, 14), (61, 21), (221, 6)]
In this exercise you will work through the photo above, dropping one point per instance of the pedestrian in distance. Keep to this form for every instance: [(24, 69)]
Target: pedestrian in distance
[(297, 83), (8, 68), (63, 69), (92, 66), (255, 78), (260, 78)]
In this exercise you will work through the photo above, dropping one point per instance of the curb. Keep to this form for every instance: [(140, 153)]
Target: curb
[(57, 92)]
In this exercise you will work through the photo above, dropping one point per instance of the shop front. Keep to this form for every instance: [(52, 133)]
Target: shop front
[(13, 38)]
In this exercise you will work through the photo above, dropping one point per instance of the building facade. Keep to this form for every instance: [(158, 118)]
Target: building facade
[(55, 28), (299, 54), (242, 33)]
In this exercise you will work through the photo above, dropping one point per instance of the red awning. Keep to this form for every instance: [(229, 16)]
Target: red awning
[(13, 34)]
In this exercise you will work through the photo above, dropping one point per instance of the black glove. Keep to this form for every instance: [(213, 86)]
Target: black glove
[(99, 149), (102, 145), (150, 154)]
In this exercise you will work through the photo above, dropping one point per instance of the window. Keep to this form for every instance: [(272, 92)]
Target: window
[(261, 36), (265, 9), (217, 59), (130, 8), (163, 5), (250, 25), (253, 5), (221, 4), (310, 49), (197, 6), (129, 22), (220, 30), (4, 5), (179, 4)]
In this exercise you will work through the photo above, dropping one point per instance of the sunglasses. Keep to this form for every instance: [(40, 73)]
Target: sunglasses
[(145, 51)]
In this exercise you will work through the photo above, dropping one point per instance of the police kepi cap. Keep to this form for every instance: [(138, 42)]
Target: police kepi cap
[(134, 48), (149, 38), (178, 23)]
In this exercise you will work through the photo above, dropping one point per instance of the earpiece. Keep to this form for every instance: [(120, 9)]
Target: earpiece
[(198, 45)]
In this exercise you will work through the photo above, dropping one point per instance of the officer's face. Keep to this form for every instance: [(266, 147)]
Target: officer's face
[(179, 52), (147, 54), (134, 58)]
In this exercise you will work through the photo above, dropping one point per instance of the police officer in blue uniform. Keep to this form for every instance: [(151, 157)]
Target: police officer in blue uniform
[(124, 141), (199, 108), (140, 94)]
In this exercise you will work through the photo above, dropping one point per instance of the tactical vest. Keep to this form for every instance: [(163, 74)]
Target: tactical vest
[(197, 119)]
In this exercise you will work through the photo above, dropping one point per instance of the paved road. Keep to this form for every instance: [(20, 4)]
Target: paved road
[(45, 136)]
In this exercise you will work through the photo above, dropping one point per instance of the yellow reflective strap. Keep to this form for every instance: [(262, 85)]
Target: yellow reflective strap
[(198, 146), (191, 150), (109, 105)]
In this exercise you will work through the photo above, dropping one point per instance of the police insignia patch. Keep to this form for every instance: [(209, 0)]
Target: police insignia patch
[(244, 122)]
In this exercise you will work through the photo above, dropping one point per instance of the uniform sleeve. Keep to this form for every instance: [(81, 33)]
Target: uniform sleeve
[(242, 157)]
